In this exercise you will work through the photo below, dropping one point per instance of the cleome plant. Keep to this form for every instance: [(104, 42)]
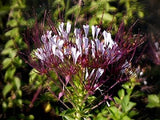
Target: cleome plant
[(89, 64)]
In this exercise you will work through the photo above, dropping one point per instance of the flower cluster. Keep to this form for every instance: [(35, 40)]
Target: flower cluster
[(100, 62)]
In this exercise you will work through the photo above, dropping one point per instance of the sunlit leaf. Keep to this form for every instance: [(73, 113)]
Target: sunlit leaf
[(7, 89), (17, 82), (6, 62), (153, 101), (13, 32)]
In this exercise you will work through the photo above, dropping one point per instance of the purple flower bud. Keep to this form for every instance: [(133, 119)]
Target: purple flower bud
[(60, 95), (67, 78)]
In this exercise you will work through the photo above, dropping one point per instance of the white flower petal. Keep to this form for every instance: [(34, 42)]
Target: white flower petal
[(61, 27), (68, 27), (77, 32), (93, 31), (93, 49), (59, 54), (75, 54), (49, 34), (86, 74), (107, 39), (86, 29), (156, 45), (99, 73), (54, 39), (97, 44), (44, 38), (91, 73), (54, 49), (39, 53), (101, 48), (60, 43), (85, 44), (97, 32), (79, 44)]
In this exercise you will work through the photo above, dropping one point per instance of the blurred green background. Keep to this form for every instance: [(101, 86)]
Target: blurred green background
[(19, 82)]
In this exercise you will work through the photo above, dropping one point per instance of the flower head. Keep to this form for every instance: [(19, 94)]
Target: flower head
[(99, 62)]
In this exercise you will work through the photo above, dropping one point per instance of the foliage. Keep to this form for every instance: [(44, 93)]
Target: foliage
[(12, 93), (98, 12), (153, 101), (122, 108)]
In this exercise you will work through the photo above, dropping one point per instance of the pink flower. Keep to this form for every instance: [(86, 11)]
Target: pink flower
[(100, 63)]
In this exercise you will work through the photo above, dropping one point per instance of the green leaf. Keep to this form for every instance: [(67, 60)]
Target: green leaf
[(22, 22), (121, 93), (100, 116), (12, 23), (122, 1), (130, 106), (18, 62), (4, 105), (126, 118), (113, 9), (153, 101), (12, 33), (73, 10), (140, 14), (126, 85), (106, 16), (6, 51), (9, 73), (132, 113), (91, 99), (68, 114), (7, 89), (4, 10), (117, 100), (17, 82), (10, 43), (6, 62), (116, 114), (125, 102)]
